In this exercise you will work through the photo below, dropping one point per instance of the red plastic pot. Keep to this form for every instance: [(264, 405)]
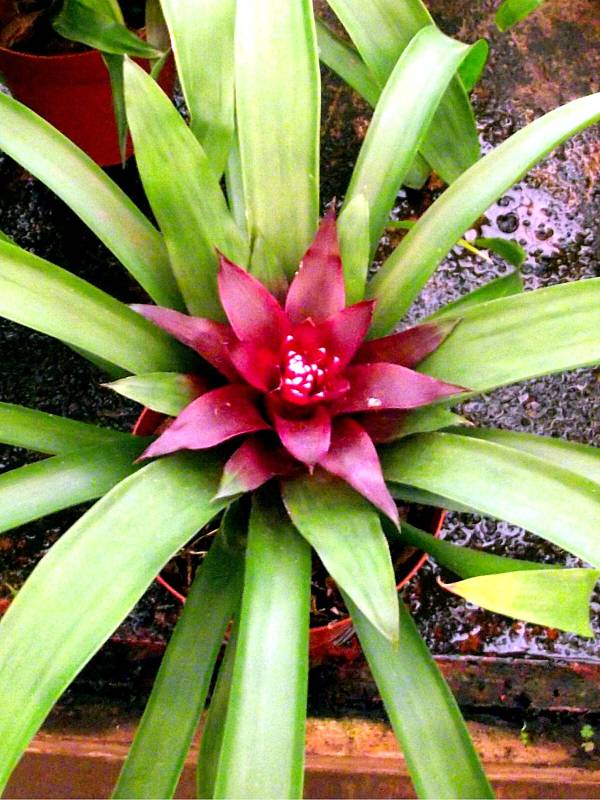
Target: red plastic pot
[(334, 640), (73, 93)]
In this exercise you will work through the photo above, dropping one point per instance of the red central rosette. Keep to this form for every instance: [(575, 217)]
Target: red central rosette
[(301, 384)]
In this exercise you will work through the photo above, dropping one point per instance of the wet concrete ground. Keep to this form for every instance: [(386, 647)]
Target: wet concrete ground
[(547, 60)]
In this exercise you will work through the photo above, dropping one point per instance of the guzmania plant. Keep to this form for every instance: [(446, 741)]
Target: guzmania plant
[(294, 415)]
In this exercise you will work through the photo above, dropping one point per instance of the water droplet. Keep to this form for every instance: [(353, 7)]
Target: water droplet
[(374, 402), (508, 223)]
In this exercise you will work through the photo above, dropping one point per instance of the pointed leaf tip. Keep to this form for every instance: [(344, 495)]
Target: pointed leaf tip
[(306, 438), (381, 386), (255, 462), (210, 339), (409, 347), (254, 314), (353, 458), (317, 290), (204, 424), (557, 598)]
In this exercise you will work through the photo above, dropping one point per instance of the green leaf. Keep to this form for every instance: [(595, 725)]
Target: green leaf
[(463, 561), (507, 249), (555, 598), (155, 761), (472, 67), (429, 418), (86, 584), (49, 299), (418, 173), (235, 186), (114, 65), (520, 337), (342, 58), (90, 194), (83, 21), (183, 191), (510, 12), (580, 458), (4, 237), (408, 268), (167, 392), (416, 85), (205, 27), (439, 753), (504, 483), (269, 270), (345, 530), (214, 725), (410, 494), (381, 31), (211, 741), (451, 145), (275, 50), (506, 286), (41, 488), (353, 233), (48, 433), (262, 753)]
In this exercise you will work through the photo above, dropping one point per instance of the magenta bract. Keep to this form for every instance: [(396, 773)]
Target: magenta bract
[(299, 373)]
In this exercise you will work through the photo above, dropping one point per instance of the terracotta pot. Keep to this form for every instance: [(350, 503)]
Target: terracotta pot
[(335, 640), (72, 92)]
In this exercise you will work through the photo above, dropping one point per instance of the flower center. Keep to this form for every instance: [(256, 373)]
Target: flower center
[(305, 373)]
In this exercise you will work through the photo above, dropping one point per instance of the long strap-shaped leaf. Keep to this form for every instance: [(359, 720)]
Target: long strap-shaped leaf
[(278, 111), (584, 459), (183, 191), (440, 756), (49, 433), (87, 583), (355, 247), (463, 561), (381, 29), (233, 526), (207, 81), (214, 725), (88, 191), (343, 59), (166, 392), (42, 296), (100, 25), (345, 530), (519, 337), (405, 272), (155, 761), (505, 483), (509, 12), (32, 491), (262, 753), (518, 589), (559, 599), (416, 86)]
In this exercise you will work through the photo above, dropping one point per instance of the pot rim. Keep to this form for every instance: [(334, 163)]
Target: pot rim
[(88, 54)]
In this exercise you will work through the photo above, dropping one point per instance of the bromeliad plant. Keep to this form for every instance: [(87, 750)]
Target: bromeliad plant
[(301, 372), (330, 414)]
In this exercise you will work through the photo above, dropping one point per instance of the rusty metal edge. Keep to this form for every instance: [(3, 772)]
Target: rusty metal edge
[(87, 767)]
